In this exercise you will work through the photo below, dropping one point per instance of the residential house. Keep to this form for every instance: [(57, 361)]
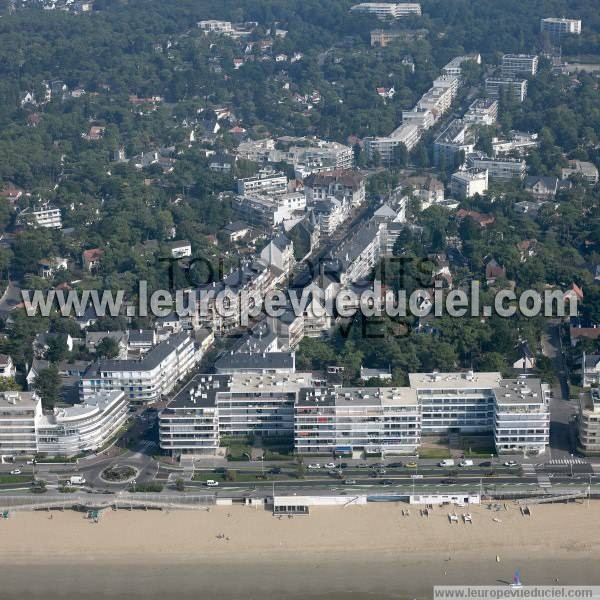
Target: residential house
[(279, 252), (91, 259), (7, 367)]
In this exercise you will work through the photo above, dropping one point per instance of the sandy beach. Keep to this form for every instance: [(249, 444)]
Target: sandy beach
[(234, 552)]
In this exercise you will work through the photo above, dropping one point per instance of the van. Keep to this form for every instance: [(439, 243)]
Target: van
[(76, 480), (212, 483), (465, 463), (447, 462)]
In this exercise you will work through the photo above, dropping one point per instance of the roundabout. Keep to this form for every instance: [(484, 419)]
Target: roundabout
[(119, 474)]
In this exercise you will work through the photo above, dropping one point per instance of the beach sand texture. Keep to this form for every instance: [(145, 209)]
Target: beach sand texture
[(241, 552)]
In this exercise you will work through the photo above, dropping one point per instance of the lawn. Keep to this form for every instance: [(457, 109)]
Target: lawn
[(15, 478)]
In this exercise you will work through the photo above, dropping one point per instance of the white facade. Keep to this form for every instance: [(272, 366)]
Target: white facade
[(83, 427), (482, 112), (379, 420), (519, 64), (556, 26), (463, 401), (19, 413), (498, 168), (45, 216), (516, 87), (465, 184), (522, 416), (263, 183), (405, 134), (145, 380), (386, 10)]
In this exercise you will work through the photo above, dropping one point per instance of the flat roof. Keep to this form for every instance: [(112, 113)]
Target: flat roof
[(358, 396), (519, 391), (465, 379)]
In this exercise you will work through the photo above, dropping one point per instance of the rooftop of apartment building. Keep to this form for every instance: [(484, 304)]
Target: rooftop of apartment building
[(260, 360), (463, 379), (456, 132), (12, 399), (341, 176), (590, 400), (147, 362), (96, 403), (351, 248), (519, 391), (354, 396)]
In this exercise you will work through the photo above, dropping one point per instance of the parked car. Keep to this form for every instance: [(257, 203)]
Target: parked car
[(510, 463), (314, 466), (411, 465), (15, 472)]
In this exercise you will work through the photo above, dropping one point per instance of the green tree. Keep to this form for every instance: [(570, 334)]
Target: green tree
[(108, 348), (47, 384)]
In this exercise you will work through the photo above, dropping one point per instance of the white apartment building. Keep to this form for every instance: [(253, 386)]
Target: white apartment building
[(467, 183), (519, 64), (19, 413), (385, 10), (270, 210), (215, 26), (382, 420), (557, 27), (311, 155), (341, 184), (454, 67), (590, 370), (588, 421), (43, 216), (516, 87), (455, 401), (330, 214), (421, 118), (266, 182), (147, 379), (82, 427), (498, 168), (456, 138), (256, 150), (241, 404), (482, 112), (408, 135), (26, 429), (522, 416)]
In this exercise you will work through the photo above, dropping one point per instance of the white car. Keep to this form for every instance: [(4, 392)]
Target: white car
[(15, 472), (212, 483), (510, 463), (330, 466), (314, 466)]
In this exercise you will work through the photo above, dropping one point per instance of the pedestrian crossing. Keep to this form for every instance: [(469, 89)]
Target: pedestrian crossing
[(568, 461)]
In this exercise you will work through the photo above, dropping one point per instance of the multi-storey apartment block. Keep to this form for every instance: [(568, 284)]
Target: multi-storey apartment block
[(382, 420), (453, 144), (386, 10), (498, 168), (145, 380), (494, 87), (521, 416), (557, 27), (466, 183), (266, 182), (482, 112), (519, 64), (588, 421), (26, 429), (460, 401)]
